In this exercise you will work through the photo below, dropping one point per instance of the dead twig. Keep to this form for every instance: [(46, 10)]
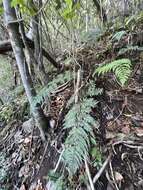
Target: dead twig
[(113, 177), (97, 176), (59, 160), (89, 174)]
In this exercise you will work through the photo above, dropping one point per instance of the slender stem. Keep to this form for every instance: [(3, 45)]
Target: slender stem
[(89, 174), (96, 177)]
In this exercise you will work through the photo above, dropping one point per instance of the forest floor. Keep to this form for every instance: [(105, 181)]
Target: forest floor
[(25, 160)]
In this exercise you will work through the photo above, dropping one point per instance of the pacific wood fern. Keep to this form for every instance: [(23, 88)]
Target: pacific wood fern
[(77, 144), (122, 69), (51, 87)]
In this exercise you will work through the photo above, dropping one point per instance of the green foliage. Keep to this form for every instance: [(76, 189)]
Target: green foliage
[(18, 109), (6, 113), (92, 89), (1, 8), (57, 181), (81, 125), (51, 87), (89, 90), (14, 3), (78, 142), (121, 68), (92, 35), (134, 20), (69, 11), (26, 6), (96, 157), (119, 35), (129, 49)]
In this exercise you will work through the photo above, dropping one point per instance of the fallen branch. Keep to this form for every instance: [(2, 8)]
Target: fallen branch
[(5, 46)]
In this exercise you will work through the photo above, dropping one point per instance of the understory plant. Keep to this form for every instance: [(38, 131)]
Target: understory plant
[(122, 69), (80, 141)]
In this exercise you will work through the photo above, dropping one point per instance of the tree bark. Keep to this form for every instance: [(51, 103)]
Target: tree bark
[(17, 46)]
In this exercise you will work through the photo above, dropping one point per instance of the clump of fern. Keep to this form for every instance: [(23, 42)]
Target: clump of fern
[(122, 69), (51, 87), (81, 125), (77, 144)]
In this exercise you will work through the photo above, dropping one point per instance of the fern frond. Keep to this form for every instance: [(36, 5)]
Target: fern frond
[(121, 68), (118, 36), (51, 87), (129, 48), (77, 144)]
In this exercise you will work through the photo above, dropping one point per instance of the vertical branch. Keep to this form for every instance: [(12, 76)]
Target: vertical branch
[(100, 10)]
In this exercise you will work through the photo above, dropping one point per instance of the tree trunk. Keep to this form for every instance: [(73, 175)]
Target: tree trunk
[(100, 10), (17, 46), (38, 49)]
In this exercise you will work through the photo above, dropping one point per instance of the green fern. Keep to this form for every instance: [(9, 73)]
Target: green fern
[(118, 36), (121, 68), (77, 144), (57, 181), (51, 87), (129, 48), (93, 90)]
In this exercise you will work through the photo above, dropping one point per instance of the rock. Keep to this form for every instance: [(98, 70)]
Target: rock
[(28, 126)]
